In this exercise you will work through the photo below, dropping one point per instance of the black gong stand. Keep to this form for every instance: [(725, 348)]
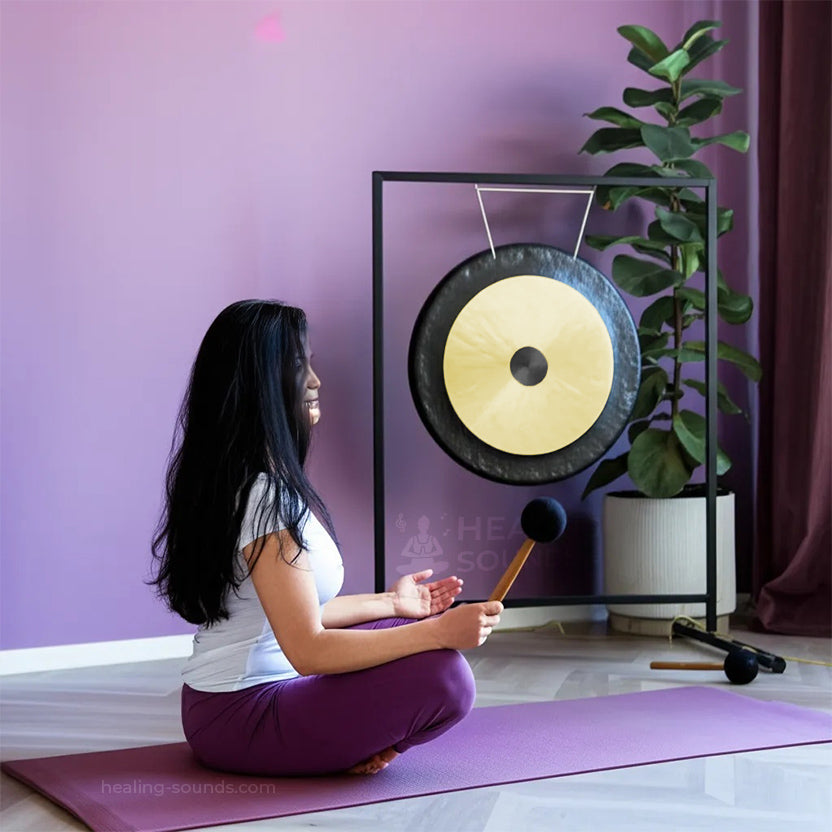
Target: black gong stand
[(709, 187)]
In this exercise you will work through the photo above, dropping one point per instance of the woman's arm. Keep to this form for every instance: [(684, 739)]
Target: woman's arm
[(346, 610), (290, 601)]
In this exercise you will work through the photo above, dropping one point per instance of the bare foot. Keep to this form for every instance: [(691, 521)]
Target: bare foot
[(376, 763)]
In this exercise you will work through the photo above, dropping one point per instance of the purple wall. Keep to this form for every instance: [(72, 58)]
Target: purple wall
[(160, 160)]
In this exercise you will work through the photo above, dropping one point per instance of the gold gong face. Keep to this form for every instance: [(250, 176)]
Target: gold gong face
[(528, 365)]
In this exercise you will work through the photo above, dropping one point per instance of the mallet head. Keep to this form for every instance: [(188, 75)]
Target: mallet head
[(741, 667), (543, 520)]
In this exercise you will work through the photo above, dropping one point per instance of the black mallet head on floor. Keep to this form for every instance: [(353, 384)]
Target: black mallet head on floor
[(741, 667)]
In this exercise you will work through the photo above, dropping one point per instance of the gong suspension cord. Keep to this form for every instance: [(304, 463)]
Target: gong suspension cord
[(590, 192)]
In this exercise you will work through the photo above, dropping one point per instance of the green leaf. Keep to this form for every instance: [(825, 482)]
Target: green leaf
[(645, 333), (635, 97), (636, 169), (724, 218), (652, 250), (604, 193), (702, 50), (734, 308), (609, 139), (637, 58), (659, 312), (617, 195), (688, 196), (701, 110), (667, 142), (694, 296), (669, 111), (656, 465), (724, 401), (662, 196), (657, 234), (690, 257), (651, 354), (697, 169), (738, 140), (645, 40), (682, 355), (601, 242), (677, 225), (703, 86), (649, 338), (615, 116), (642, 278), (606, 472), (636, 428), (696, 31), (614, 197), (689, 427), (726, 352), (653, 384), (671, 67)]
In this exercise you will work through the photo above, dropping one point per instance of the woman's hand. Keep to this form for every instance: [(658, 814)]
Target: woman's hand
[(467, 625), (412, 599)]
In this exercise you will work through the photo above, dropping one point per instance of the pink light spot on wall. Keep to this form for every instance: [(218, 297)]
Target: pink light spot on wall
[(269, 29)]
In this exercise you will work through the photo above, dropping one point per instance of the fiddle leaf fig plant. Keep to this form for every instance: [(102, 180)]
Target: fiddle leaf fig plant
[(667, 439)]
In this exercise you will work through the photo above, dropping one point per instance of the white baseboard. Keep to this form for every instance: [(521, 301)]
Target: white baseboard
[(66, 656)]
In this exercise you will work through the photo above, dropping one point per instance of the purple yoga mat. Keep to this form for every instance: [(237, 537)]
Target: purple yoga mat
[(160, 788)]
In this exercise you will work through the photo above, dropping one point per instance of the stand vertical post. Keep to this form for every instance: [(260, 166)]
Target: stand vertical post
[(711, 408), (378, 381)]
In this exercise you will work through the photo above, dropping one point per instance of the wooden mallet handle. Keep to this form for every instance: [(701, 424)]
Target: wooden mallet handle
[(511, 572), (686, 666), (542, 521)]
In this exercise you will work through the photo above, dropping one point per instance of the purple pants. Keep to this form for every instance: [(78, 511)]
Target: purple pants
[(326, 724)]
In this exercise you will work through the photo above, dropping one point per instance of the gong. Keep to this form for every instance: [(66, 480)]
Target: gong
[(524, 364)]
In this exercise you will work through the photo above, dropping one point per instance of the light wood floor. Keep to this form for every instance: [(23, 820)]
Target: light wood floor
[(70, 711)]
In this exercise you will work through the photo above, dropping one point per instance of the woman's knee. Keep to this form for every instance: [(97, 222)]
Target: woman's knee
[(450, 680)]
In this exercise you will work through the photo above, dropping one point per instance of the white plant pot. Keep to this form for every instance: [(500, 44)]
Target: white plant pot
[(659, 547)]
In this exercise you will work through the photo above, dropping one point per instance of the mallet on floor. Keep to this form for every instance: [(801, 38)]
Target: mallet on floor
[(740, 666), (542, 520), (776, 664)]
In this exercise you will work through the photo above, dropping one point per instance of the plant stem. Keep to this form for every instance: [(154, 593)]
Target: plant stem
[(677, 335), (676, 206)]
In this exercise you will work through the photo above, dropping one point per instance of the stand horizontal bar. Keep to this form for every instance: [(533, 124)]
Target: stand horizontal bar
[(539, 179), (565, 600)]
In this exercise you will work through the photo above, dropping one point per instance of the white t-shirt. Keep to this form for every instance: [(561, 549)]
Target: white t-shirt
[(241, 650)]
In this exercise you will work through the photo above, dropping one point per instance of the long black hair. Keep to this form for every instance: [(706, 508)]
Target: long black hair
[(243, 414)]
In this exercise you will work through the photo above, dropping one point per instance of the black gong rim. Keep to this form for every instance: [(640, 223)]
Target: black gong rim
[(426, 355)]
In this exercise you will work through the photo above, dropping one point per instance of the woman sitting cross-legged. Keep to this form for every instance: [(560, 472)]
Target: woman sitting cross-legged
[(286, 676)]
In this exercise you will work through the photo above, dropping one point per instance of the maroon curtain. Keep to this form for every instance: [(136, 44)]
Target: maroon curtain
[(793, 557)]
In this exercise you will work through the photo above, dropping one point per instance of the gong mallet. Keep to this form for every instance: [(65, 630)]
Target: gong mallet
[(543, 520), (740, 666), (776, 664)]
